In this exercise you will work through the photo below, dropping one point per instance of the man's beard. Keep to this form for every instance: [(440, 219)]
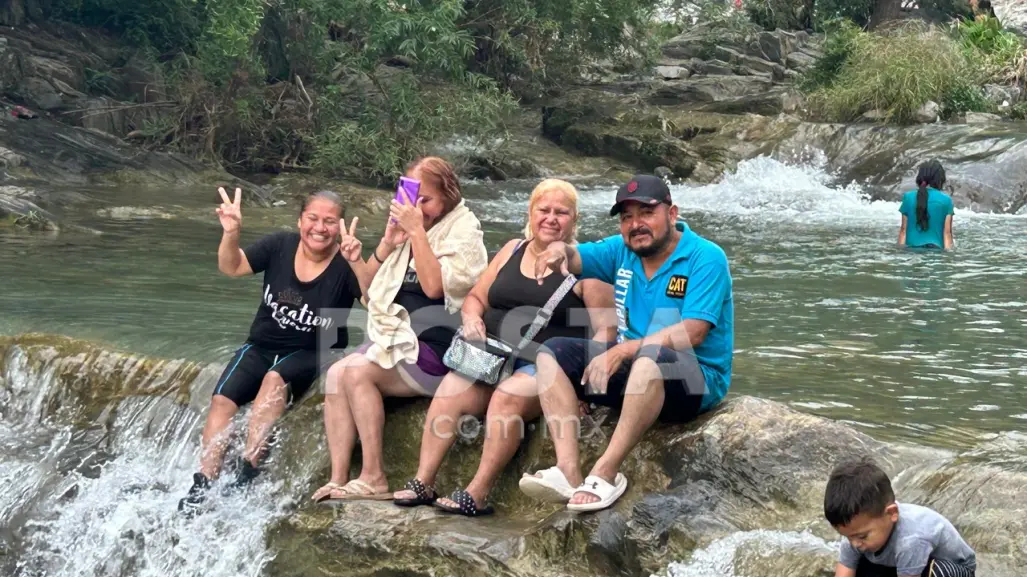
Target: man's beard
[(657, 246)]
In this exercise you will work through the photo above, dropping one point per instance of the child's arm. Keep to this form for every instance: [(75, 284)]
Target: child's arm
[(843, 571)]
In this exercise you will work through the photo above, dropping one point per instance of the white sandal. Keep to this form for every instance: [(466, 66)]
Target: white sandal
[(551, 486), (607, 493)]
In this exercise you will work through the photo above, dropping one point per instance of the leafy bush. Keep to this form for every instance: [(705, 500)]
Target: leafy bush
[(964, 96), (840, 40), (999, 51), (827, 12), (359, 87), (896, 73)]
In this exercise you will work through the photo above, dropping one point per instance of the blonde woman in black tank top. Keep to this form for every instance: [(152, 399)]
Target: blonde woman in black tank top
[(503, 303)]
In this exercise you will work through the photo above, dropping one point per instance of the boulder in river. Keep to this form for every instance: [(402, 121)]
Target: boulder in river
[(741, 487)]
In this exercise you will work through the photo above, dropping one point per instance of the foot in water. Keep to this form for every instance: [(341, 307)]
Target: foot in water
[(245, 472), (191, 503)]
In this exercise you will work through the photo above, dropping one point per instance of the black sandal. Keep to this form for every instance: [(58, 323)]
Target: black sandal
[(422, 493), (466, 505)]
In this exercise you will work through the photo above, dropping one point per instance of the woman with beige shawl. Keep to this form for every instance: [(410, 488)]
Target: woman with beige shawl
[(414, 284)]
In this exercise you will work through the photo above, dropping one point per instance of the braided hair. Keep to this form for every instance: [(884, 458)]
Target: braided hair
[(930, 175)]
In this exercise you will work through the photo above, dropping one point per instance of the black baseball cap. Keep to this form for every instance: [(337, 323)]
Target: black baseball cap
[(644, 188)]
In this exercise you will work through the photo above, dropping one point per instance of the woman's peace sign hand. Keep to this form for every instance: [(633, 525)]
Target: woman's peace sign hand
[(350, 246), (230, 211)]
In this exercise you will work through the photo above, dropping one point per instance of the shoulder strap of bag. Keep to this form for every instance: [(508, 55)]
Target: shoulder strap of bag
[(546, 312)]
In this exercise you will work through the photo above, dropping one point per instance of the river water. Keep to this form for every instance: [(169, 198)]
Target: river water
[(831, 318)]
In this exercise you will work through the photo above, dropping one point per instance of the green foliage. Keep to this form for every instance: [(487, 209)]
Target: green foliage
[(1019, 111), (358, 87), (783, 14), (227, 39), (163, 25), (896, 73), (725, 17), (828, 12), (965, 96), (840, 40), (998, 52), (406, 120), (900, 70)]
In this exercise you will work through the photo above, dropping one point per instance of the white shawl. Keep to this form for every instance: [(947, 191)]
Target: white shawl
[(457, 241)]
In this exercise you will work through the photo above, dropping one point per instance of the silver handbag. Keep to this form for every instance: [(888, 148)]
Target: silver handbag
[(492, 361)]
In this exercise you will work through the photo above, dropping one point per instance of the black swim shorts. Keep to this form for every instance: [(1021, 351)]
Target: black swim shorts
[(935, 568), (241, 379), (683, 381)]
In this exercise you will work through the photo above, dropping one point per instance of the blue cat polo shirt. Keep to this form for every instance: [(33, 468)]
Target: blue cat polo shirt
[(694, 283)]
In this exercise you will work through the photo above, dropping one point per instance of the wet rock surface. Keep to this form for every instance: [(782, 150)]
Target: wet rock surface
[(984, 163), (738, 75), (742, 486)]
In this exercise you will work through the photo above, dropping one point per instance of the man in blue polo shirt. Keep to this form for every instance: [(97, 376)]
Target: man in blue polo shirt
[(672, 359)]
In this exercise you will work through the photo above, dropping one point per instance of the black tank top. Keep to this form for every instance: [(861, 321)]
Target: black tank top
[(515, 299)]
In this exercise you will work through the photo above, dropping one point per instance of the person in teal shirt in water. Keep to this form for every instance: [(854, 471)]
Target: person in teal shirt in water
[(927, 212)]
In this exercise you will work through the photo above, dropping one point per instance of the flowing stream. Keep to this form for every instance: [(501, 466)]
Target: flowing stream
[(831, 318)]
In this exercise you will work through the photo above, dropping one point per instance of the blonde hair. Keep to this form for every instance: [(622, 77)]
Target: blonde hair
[(554, 185)]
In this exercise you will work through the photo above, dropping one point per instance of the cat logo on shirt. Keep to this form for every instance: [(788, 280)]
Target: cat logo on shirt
[(676, 286)]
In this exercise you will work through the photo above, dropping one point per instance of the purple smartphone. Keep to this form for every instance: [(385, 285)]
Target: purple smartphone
[(409, 187)]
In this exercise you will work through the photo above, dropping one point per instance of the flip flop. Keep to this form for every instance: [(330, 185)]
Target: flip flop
[(357, 490), (325, 492), (551, 487), (607, 493), (465, 505), (421, 494)]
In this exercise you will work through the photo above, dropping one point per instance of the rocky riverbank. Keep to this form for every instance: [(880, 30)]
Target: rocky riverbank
[(716, 96), (751, 465)]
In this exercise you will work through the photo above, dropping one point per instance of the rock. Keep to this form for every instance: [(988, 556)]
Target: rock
[(18, 210), (672, 72), (874, 116), (10, 67), (645, 148), (495, 166), (99, 114), (1003, 96), (776, 46), (69, 156), (884, 159), (278, 203), (708, 89), (800, 61), (754, 66), (663, 172), (596, 124), (39, 93), (10, 159), (743, 485), (140, 81), (747, 479), (692, 44), (769, 103), (929, 112), (134, 213), (1012, 14), (980, 118)]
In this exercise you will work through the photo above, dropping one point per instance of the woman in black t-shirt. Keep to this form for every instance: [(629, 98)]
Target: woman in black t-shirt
[(504, 303), (308, 289)]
